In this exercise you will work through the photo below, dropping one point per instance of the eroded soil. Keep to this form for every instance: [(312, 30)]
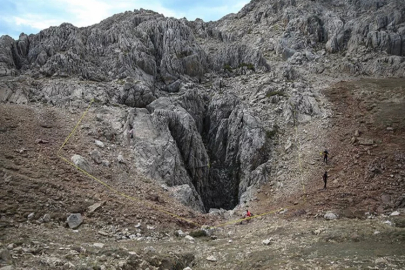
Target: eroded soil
[(365, 138)]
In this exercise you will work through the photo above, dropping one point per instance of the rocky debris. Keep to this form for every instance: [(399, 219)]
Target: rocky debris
[(41, 141), (180, 233), (266, 242), (96, 156), (30, 216), (395, 213), (186, 195), (211, 258), (5, 256), (190, 238), (74, 220), (82, 163), (137, 95), (330, 216), (105, 163), (120, 159), (46, 218), (98, 245), (99, 143), (94, 207)]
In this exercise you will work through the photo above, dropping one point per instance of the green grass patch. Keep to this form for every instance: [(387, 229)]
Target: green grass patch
[(198, 233)]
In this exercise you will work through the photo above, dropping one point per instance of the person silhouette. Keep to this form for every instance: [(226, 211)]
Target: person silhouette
[(325, 179)]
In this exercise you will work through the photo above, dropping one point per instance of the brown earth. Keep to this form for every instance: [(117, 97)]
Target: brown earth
[(366, 146), (365, 140)]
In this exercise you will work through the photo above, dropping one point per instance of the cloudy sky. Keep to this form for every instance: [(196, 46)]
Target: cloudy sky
[(31, 16)]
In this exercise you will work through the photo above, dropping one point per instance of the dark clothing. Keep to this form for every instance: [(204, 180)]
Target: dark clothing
[(325, 156), (325, 178)]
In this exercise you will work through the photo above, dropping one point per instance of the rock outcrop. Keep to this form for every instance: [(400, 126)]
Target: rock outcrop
[(206, 99)]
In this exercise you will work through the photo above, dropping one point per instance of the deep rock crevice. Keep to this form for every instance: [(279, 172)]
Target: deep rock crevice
[(220, 144)]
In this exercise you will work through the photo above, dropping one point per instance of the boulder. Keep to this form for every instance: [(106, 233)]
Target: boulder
[(136, 95), (74, 220), (96, 156), (82, 163), (330, 216)]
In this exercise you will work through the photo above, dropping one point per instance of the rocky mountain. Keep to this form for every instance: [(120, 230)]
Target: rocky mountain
[(206, 99)]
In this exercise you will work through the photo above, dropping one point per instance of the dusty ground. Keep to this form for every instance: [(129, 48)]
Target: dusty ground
[(364, 136)]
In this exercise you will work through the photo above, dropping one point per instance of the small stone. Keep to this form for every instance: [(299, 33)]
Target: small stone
[(187, 268), (99, 117), (96, 156), (395, 213), (330, 216), (211, 258), (69, 265), (150, 227), (388, 222), (120, 159), (99, 143), (94, 207), (103, 233), (230, 241), (356, 133), (150, 249), (74, 220), (105, 163), (30, 216), (380, 260), (99, 245), (364, 141), (180, 233), (138, 225), (188, 237), (46, 218), (266, 242)]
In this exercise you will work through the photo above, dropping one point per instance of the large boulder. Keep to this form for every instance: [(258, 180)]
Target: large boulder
[(136, 95)]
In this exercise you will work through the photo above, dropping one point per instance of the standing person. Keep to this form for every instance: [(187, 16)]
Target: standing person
[(325, 156), (325, 179), (131, 132)]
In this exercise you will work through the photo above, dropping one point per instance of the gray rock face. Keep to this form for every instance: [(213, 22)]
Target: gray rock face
[(238, 146), (187, 196), (139, 44), (205, 93)]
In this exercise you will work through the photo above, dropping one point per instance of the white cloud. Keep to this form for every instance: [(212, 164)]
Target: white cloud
[(40, 14), (34, 22)]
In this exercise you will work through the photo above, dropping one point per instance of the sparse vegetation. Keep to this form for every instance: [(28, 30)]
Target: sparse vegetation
[(198, 233), (227, 68), (249, 66)]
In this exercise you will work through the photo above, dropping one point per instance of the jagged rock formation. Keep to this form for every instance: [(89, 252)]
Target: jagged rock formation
[(210, 97)]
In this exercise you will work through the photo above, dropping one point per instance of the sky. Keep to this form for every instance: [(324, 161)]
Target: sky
[(32, 16)]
